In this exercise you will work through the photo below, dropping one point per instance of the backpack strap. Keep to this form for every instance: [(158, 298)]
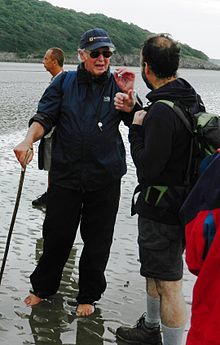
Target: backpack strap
[(179, 112), (181, 115)]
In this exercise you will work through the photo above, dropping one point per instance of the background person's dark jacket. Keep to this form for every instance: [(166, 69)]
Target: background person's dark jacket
[(160, 148), (84, 156)]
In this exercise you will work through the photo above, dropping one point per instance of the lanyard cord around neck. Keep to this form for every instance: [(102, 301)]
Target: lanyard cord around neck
[(97, 108)]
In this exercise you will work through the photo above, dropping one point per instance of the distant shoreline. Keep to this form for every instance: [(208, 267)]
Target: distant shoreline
[(118, 60), (194, 63)]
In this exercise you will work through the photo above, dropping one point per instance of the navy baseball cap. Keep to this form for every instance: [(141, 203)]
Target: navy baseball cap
[(94, 39)]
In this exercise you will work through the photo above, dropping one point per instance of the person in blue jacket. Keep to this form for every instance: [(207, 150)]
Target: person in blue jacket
[(88, 162)]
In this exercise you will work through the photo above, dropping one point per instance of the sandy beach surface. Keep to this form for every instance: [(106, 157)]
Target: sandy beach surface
[(53, 321)]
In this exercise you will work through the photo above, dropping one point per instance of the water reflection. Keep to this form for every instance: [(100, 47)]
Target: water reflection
[(48, 320), (90, 330), (50, 323), (61, 328), (54, 320)]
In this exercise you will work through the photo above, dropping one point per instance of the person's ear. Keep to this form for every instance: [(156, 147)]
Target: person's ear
[(146, 69), (81, 55)]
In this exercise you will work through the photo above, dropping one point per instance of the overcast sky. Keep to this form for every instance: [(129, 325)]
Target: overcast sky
[(194, 22)]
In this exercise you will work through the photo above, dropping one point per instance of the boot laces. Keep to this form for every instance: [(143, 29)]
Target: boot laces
[(140, 322)]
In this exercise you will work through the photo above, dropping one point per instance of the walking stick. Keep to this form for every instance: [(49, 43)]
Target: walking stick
[(22, 174)]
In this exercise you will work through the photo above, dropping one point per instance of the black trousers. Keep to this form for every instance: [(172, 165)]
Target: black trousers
[(96, 213)]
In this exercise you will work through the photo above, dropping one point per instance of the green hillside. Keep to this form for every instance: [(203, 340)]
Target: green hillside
[(31, 26)]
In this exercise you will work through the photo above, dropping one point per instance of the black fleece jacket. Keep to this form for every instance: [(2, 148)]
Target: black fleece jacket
[(160, 148)]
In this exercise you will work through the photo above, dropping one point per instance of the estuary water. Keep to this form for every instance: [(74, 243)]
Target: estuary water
[(53, 321)]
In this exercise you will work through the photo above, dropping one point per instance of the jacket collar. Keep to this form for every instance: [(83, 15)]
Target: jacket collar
[(86, 77)]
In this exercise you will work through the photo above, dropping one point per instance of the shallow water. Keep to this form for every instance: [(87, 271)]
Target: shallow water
[(53, 321)]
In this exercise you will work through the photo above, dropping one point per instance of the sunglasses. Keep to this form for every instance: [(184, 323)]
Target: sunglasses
[(95, 54)]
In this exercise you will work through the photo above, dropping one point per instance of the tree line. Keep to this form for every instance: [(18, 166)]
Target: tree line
[(31, 26)]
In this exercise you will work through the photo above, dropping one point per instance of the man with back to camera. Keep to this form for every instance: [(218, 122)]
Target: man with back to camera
[(53, 62), (88, 162), (160, 148)]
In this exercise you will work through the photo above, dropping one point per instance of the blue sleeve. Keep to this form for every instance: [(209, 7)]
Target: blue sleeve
[(48, 110)]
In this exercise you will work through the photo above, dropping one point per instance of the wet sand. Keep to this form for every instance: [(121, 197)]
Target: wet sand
[(53, 321)]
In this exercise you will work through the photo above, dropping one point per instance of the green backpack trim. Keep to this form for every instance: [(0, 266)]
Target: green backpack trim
[(165, 196), (201, 120), (161, 189)]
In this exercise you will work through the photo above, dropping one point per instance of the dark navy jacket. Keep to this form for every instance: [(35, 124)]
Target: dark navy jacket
[(87, 151)]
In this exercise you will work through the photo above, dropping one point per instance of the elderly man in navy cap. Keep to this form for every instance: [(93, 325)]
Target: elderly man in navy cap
[(88, 162)]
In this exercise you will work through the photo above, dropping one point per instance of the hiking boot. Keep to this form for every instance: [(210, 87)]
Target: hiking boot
[(41, 201), (140, 334)]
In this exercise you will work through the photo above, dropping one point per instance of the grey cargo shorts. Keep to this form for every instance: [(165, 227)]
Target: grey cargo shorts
[(161, 248)]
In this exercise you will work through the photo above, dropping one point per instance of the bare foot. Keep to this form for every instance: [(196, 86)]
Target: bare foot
[(32, 300), (85, 309)]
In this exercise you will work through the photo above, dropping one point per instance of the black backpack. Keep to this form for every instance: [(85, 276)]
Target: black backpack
[(205, 130)]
